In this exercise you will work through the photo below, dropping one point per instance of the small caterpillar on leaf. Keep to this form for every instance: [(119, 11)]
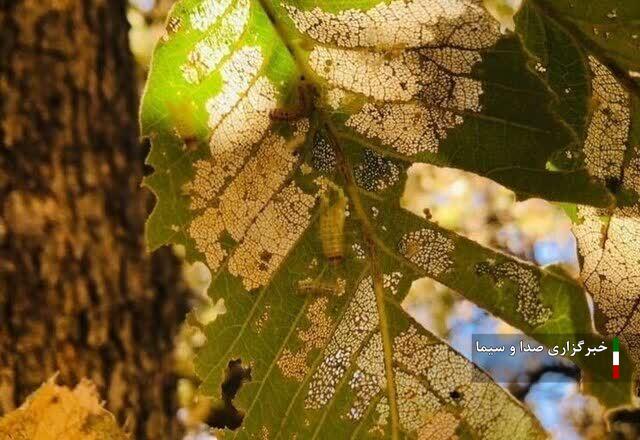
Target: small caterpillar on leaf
[(305, 106), (331, 223), (321, 287)]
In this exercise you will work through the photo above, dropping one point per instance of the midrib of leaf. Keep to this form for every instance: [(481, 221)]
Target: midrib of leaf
[(367, 230), (370, 239)]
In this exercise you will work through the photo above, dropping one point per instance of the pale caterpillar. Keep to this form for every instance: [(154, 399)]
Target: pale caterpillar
[(305, 106), (331, 224), (320, 287)]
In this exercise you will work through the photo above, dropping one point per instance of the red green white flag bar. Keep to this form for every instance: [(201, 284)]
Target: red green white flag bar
[(615, 372)]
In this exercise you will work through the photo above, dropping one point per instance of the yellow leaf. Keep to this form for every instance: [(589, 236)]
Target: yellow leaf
[(54, 412)]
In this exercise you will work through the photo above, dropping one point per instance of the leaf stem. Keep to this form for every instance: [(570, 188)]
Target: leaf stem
[(367, 229), (378, 282)]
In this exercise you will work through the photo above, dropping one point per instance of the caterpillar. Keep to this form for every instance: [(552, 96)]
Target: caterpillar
[(320, 287), (331, 224), (306, 97)]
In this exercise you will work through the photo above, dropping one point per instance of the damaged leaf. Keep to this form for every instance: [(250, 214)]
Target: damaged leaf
[(54, 412), (609, 239), (610, 29), (281, 135), (601, 106)]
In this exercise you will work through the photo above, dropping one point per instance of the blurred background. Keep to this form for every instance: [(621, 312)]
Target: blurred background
[(478, 208)]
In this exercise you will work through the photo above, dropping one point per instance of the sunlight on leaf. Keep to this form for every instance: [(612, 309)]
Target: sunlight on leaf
[(608, 239), (281, 137), (504, 11), (606, 128)]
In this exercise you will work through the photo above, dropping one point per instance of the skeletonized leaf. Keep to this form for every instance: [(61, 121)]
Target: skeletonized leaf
[(606, 127), (609, 239), (281, 134), (602, 111)]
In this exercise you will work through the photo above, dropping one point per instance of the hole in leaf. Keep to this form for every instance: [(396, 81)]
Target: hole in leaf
[(225, 414)]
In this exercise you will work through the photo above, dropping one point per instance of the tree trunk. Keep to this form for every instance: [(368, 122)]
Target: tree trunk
[(78, 293)]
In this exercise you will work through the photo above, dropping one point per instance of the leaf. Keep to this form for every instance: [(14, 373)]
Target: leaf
[(610, 29), (608, 239), (539, 302), (281, 134), (607, 128), (324, 371), (561, 62), (53, 412)]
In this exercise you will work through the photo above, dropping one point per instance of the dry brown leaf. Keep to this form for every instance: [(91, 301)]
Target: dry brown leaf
[(55, 412)]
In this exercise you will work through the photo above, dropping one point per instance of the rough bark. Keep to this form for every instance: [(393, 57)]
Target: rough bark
[(78, 293)]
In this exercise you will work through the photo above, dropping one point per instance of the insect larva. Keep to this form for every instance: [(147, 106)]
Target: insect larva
[(331, 223), (280, 114), (409, 248), (304, 107), (319, 287)]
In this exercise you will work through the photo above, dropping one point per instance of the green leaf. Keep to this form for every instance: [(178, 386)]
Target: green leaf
[(539, 302), (281, 134), (610, 29), (558, 59), (607, 127), (609, 239)]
